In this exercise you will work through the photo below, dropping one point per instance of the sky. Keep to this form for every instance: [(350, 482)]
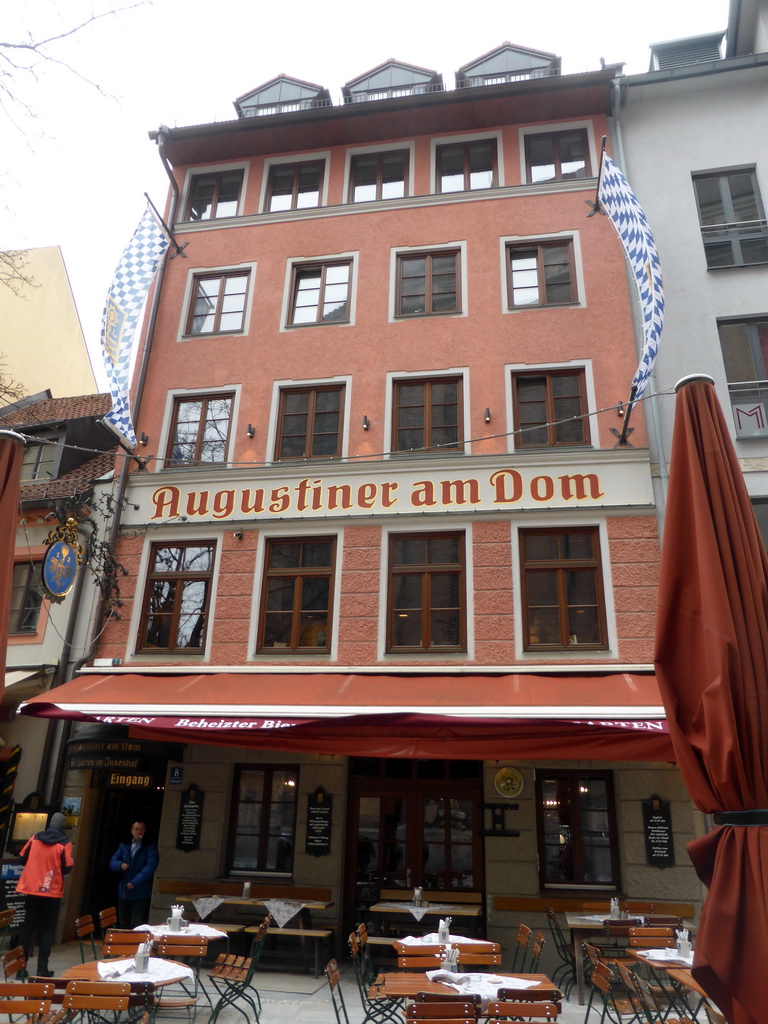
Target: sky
[(76, 158)]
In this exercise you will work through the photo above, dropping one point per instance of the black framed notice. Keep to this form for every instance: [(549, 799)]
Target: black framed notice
[(657, 828), (319, 823), (190, 819)]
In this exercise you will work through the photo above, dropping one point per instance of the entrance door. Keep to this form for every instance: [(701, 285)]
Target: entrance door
[(119, 809), (412, 823)]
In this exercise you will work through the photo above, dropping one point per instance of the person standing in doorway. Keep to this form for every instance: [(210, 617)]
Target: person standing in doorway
[(47, 857), (136, 863)]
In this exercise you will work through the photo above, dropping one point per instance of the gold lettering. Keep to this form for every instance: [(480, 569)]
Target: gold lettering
[(342, 492), (575, 486), (252, 501), (542, 488), (366, 495), (455, 492), (197, 503), (507, 485), (423, 494), (280, 499), (166, 502), (223, 504)]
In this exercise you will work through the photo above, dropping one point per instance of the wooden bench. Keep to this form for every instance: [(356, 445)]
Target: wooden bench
[(319, 936), (563, 904)]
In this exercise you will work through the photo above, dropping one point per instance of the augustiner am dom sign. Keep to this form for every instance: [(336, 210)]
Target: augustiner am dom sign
[(617, 480)]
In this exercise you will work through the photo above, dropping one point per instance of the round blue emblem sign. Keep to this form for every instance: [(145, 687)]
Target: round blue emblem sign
[(59, 568)]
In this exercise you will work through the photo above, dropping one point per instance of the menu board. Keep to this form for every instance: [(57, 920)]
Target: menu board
[(9, 876), (190, 820), (319, 823), (657, 827)]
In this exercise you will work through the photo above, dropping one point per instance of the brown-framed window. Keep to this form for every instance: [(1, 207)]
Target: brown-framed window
[(466, 166), (320, 293), (218, 303), (263, 825), (540, 274), (26, 597), (732, 217), (577, 833), (550, 408), (309, 422), (557, 156), (297, 595), (378, 176), (214, 195), (562, 590), (428, 414), (199, 430), (427, 593), (744, 344), (176, 602), (428, 283), (295, 186)]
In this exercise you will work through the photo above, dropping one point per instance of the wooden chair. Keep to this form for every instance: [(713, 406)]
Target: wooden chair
[(120, 943), (92, 999), (233, 982), (616, 1007), (19, 999), (333, 975), (107, 919), (651, 1005), (190, 950), (85, 929), (644, 937), (518, 1011), (14, 964), (6, 922), (564, 975), (536, 947), (457, 997), (520, 953), (446, 1012)]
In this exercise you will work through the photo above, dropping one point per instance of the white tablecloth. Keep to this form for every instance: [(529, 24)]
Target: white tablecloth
[(667, 955), (484, 985), (206, 905), (161, 931), (159, 970), (419, 912), (283, 911), (433, 939)]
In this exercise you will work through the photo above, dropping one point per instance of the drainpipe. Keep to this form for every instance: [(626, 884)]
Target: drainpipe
[(652, 403), (93, 633)]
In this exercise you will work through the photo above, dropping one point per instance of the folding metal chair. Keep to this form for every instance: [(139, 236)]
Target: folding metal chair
[(496, 1011), (85, 929)]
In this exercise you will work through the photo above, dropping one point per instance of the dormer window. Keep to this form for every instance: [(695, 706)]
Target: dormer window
[(39, 460), (390, 80), (507, 64)]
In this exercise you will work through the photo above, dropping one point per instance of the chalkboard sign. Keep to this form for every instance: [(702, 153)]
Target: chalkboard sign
[(657, 826), (190, 820), (9, 876), (319, 823)]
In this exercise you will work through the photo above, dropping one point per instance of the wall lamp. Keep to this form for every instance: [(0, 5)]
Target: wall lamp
[(143, 438), (487, 415), (366, 423), (250, 431)]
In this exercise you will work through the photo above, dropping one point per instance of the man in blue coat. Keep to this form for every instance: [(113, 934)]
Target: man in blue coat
[(136, 863)]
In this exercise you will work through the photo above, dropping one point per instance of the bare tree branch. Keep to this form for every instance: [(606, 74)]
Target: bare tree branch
[(13, 273)]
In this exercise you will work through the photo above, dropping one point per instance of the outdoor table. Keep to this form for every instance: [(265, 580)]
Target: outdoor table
[(584, 926), (159, 972), (407, 985), (303, 908), (162, 931), (659, 962), (682, 978), (404, 911)]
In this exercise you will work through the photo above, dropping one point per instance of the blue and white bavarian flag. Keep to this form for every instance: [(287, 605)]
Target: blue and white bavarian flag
[(620, 203), (125, 301)]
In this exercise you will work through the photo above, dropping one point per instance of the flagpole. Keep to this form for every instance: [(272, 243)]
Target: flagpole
[(596, 208), (625, 427), (179, 248)]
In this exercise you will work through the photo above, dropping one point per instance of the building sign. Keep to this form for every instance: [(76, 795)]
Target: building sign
[(604, 479), (114, 754), (657, 826), (125, 780), (319, 809), (190, 822), (12, 900)]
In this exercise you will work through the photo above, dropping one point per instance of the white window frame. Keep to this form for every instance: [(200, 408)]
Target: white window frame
[(210, 533), (389, 147), (297, 528), (278, 386), (565, 364), (191, 393), (578, 269), (449, 140), (292, 263), (195, 272), (295, 158), (555, 128), (413, 250), (562, 522), (198, 172), (437, 525), (395, 377)]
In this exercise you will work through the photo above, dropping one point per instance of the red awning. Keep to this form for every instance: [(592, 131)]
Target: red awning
[(615, 716)]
